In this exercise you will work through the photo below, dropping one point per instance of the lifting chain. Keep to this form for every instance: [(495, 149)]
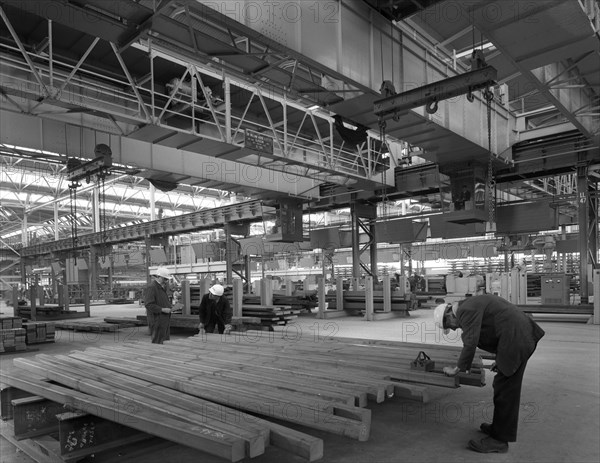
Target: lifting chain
[(382, 126), (102, 213), (73, 206), (489, 97)]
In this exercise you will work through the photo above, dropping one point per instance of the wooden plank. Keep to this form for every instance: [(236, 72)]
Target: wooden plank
[(197, 437)]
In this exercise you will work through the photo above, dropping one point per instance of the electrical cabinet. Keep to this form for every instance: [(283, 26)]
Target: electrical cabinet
[(555, 288)]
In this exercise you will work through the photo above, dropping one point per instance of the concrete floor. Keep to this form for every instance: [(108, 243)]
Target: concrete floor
[(560, 419)]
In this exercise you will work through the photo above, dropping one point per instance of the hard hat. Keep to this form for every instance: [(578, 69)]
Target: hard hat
[(162, 272), (438, 316), (216, 290)]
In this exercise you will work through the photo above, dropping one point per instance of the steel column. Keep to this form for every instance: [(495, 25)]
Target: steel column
[(583, 201)]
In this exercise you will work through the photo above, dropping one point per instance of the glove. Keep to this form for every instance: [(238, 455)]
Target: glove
[(201, 328), (450, 371), (227, 329)]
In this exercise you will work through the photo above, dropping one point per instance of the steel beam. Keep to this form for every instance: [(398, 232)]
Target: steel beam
[(431, 94), (202, 220)]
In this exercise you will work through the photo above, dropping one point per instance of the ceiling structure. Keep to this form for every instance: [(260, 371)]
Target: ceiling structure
[(173, 86)]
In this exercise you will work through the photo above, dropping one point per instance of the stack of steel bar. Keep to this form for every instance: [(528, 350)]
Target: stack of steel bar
[(200, 391)]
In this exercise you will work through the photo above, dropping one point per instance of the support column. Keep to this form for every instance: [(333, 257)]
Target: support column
[(587, 202), (373, 251), (24, 234), (185, 297), (148, 243), (238, 297), (369, 306), (355, 245), (229, 256), (93, 273), (56, 234), (339, 293), (363, 217), (152, 203)]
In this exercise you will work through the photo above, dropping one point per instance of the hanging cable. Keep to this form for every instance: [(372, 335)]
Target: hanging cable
[(102, 213), (392, 47), (382, 145), (489, 97), (73, 209)]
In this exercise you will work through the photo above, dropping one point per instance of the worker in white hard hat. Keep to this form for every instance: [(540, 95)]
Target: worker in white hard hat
[(158, 305), (497, 326), (215, 311)]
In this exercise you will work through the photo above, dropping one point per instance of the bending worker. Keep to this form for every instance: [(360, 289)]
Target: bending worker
[(215, 311), (158, 306), (497, 326)]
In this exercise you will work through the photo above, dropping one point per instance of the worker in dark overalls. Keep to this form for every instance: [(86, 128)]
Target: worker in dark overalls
[(215, 311), (158, 306)]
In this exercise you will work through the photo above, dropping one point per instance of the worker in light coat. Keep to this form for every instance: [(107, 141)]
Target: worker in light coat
[(497, 326), (158, 306), (215, 311)]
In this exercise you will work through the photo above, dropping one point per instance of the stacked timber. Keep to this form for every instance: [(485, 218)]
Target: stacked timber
[(93, 326), (39, 332), (355, 301), (182, 321), (301, 303), (271, 315), (12, 340), (7, 323)]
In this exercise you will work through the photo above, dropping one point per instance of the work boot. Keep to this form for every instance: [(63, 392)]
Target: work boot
[(486, 428), (488, 445)]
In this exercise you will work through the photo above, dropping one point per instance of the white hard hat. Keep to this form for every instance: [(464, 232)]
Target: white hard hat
[(162, 272), (216, 290), (438, 316)]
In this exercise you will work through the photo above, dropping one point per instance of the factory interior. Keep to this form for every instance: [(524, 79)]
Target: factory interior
[(345, 178)]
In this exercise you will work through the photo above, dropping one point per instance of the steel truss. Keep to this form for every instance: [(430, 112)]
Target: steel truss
[(198, 102)]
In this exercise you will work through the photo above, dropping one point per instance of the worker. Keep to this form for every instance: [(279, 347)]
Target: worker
[(215, 311), (158, 306), (497, 326)]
